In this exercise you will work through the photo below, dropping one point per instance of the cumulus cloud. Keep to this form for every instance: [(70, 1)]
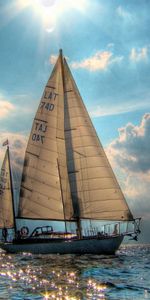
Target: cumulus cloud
[(131, 149), (137, 55), (100, 61), (130, 157), (5, 108)]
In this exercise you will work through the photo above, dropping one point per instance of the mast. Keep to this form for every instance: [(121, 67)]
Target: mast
[(11, 187), (62, 69), (63, 82), (75, 201)]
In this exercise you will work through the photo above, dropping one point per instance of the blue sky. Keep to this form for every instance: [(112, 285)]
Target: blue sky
[(107, 44)]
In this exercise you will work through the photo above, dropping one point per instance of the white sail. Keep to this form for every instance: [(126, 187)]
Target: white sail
[(93, 184), (45, 191), (66, 173), (6, 201)]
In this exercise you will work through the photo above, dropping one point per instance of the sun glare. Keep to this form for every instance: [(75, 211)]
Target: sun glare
[(49, 11)]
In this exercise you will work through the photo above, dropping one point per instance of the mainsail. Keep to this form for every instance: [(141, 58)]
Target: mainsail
[(66, 173), (6, 195), (45, 190)]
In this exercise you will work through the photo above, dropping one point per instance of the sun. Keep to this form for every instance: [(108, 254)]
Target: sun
[(50, 11)]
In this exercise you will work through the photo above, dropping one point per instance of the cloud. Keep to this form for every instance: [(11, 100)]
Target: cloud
[(100, 111), (124, 13), (53, 59), (130, 157), (131, 149), (129, 106), (137, 55), (100, 61), (5, 108)]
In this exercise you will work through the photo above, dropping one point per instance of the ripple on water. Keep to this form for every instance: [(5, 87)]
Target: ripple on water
[(75, 277)]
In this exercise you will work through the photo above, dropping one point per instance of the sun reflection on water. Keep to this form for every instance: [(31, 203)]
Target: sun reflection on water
[(48, 279)]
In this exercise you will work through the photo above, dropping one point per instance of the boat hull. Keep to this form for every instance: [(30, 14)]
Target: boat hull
[(108, 245)]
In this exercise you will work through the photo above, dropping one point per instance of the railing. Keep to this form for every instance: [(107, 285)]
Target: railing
[(130, 228)]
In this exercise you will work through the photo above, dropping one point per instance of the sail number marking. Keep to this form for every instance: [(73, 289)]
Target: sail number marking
[(49, 96), (38, 138), (41, 128), (48, 106)]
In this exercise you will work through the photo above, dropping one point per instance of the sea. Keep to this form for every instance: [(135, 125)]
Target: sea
[(125, 275)]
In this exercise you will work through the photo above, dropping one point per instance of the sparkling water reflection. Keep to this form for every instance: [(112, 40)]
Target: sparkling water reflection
[(74, 277)]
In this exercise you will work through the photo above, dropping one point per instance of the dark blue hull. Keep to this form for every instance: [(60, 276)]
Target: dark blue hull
[(105, 245)]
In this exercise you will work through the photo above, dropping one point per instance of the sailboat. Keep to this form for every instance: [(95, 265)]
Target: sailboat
[(67, 179), (7, 220)]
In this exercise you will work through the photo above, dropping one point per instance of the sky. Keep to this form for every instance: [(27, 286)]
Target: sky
[(107, 46)]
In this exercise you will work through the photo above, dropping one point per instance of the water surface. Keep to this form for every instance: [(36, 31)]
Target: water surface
[(74, 277)]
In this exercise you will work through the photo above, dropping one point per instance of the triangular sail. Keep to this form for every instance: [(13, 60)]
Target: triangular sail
[(94, 188), (6, 201), (45, 191), (66, 173)]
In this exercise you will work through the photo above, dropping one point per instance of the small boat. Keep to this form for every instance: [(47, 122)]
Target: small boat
[(68, 180), (7, 220)]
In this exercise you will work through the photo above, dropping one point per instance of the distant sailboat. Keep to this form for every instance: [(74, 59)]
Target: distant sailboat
[(67, 177), (7, 220)]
